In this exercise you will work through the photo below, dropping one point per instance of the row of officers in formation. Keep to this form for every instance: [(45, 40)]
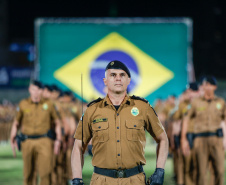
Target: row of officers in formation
[(195, 126), (194, 123), (43, 130)]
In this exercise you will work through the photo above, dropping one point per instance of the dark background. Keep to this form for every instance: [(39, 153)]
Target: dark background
[(209, 24)]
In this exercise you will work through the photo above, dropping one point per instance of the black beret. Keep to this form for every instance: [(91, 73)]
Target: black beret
[(211, 79), (37, 83), (68, 93), (49, 88), (55, 88), (115, 64), (193, 86), (61, 93)]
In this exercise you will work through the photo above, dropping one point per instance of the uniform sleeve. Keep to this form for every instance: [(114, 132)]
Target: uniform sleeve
[(152, 123), (191, 112), (60, 111), (224, 111), (87, 132), (53, 112), (177, 114), (19, 113)]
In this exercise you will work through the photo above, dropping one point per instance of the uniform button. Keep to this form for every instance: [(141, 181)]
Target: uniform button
[(135, 126), (117, 140), (117, 127), (118, 154), (117, 114)]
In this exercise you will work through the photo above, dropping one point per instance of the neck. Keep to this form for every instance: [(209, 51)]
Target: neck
[(35, 100), (116, 99), (209, 95)]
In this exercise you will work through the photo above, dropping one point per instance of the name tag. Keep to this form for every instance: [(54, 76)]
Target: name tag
[(100, 120)]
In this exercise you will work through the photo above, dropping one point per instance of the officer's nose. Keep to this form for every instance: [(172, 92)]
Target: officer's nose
[(118, 77)]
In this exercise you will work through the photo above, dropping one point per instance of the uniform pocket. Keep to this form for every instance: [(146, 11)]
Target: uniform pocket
[(101, 131), (134, 130)]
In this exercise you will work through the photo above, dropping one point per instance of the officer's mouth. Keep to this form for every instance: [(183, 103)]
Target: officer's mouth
[(118, 85)]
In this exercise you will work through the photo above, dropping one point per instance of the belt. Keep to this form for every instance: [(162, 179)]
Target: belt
[(50, 134), (218, 133), (33, 136), (119, 173)]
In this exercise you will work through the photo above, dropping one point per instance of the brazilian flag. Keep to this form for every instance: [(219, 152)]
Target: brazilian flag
[(156, 52)]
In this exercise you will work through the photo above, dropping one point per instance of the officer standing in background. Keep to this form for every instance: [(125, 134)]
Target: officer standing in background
[(208, 113), (33, 119), (117, 127), (184, 106)]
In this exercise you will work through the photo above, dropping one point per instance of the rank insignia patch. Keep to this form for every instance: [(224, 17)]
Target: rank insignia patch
[(134, 111), (45, 106), (219, 106)]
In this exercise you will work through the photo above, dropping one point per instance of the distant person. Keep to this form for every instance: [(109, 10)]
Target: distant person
[(208, 112), (33, 120)]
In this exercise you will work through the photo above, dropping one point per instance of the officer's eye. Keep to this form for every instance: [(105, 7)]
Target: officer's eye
[(113, 74), (122, 74)]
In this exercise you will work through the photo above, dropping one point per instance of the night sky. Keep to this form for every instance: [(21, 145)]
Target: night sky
[(209, 18)]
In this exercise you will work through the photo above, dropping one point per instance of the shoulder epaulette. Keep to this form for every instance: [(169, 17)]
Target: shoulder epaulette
[(94, 101), (139, 98)]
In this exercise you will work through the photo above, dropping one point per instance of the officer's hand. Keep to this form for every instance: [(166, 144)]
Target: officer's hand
[(14, 146), (57, 144), (224, 143), (157, 178), (77, 181), (185, 147)]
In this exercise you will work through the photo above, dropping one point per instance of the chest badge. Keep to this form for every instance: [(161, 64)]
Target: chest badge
[(189, 107), (219, 106), (45, 106), (134, 111)]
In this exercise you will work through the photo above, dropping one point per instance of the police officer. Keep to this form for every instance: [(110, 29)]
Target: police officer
[(208, 113), (117, 127), (34, 116), (187, 169)]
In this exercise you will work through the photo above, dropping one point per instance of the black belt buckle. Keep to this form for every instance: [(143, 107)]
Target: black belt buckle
[(120, 173)]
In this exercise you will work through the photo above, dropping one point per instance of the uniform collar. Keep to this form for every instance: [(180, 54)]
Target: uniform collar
[(107, 101), (40, 102), (215, 98)]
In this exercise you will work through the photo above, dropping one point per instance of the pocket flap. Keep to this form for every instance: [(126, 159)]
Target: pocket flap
[(100, 126), (134, 124)]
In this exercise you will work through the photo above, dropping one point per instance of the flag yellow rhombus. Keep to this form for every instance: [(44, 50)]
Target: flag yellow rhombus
[(152, 74)]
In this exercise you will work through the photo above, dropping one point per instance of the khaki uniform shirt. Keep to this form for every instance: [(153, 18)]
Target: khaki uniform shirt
[(118, 137), (35, 118), (183, 109), (207, 115)]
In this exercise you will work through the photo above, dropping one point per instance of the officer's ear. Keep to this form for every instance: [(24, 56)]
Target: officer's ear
[(129, 80), (105, 81)]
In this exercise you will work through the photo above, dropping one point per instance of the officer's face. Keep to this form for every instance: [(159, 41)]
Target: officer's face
[(116, 81), (55, 95), (208, 87), (46, 93), (35, 93)]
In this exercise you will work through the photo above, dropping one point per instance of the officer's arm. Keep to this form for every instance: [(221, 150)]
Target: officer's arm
[(223, 125), (184, 141), (58, 136), (13, 143), (162, 150), (76, 159)]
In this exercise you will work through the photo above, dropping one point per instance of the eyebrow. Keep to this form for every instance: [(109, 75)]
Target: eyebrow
[(118, 73)]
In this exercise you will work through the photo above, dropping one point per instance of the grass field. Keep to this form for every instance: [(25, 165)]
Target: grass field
[(11, 169)]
